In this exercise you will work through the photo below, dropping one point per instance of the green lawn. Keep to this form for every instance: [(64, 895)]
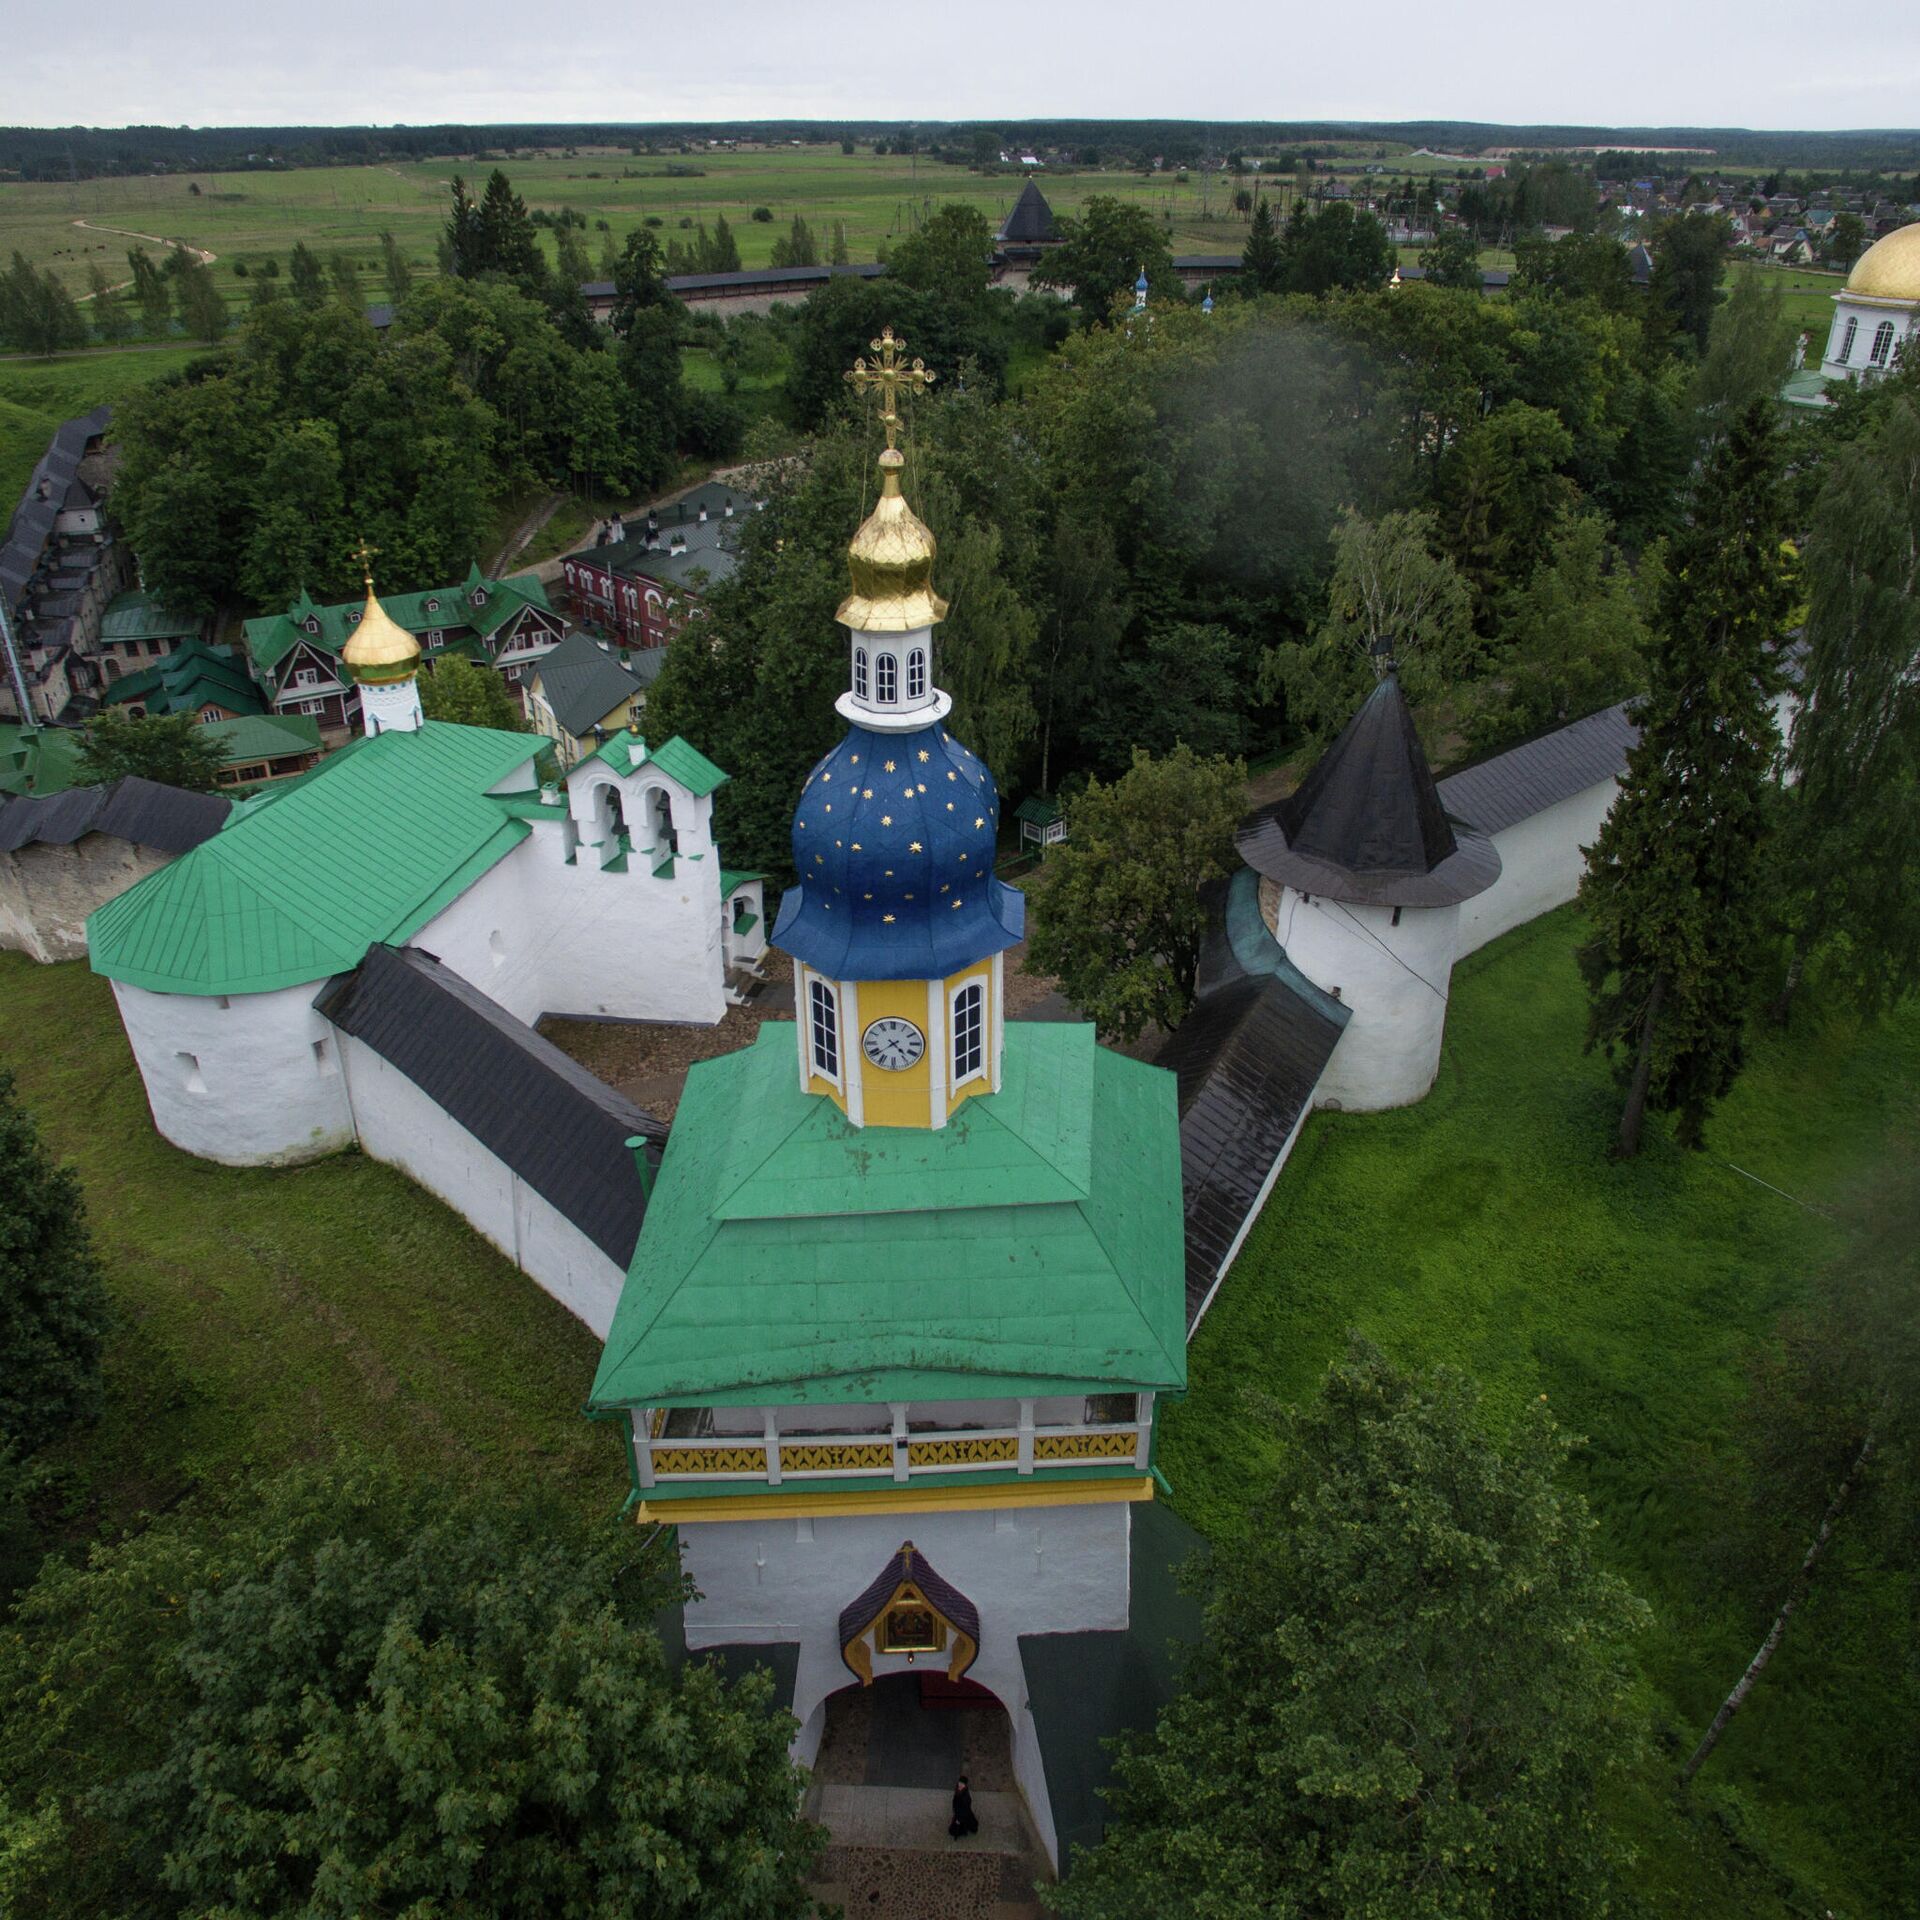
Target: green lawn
[(1806, 297), (1486, 1227), (36, 395), (267, 1315)]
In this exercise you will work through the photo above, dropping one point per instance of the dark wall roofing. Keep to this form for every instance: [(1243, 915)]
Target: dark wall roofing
[(1247, 1058), (1367, 823), (1031, 221), (556, 1126), (143, 811), (32, 524), (583, 685), (1538, 774)]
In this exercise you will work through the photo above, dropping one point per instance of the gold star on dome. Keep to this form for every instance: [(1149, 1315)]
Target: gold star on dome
[(914, 847), (854, 761), (819, 859), (980, 821), (886, 819), (886, 919), (866, 793), (951, 775), (856, 846), (924, 755), (909, 896), (956, 906), (829, 806), (889, 767), (826, 776), (906, 793), (921, 788), (963, 856)]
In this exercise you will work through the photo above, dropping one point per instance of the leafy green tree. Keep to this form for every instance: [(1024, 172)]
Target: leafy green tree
[(150, 293), (1846, 239), (300, 532), (359, 1694), (1262, 269), (395, 267), (1103, 250), (53, 1299), (1411, 1687), (726, 249), (1503, 490), (946, 257), (471, 694), (1675, 884), (1749, 351), (203, 314), (798, 247), (1453, 260), (1689, 263), (1338, 247), (1181, 680), (345, 278), (505, 240), (1120, 919), (171, 748), (106, 312), (306, 276), (1850, 846), (1582, 266), (1573, 638), (1392, 598), (840, 257)]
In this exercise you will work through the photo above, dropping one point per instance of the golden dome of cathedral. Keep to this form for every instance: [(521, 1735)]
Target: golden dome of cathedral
[(381, 651), (1890, 268), (891, 561)]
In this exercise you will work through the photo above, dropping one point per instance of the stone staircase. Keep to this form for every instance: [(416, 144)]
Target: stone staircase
[(890, 1857)]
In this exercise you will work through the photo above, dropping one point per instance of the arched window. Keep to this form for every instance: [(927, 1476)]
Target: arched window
[(917, 674), (1882, 343), (859, 673), (823, 1021), (886, 679), (969, 1032), (1846, 341)]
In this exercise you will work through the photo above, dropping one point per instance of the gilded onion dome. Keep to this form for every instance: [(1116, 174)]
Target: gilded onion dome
[(891, 561), (381, 652), (1890, 268)]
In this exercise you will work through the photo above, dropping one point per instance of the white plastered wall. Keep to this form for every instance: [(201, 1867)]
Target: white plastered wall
[(1541, 861), (1028, 1570), (1395, 978), (252, 1081), (404, 1127)]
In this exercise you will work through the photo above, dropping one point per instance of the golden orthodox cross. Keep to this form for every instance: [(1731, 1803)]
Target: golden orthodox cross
[(364, 554), (890, 374)]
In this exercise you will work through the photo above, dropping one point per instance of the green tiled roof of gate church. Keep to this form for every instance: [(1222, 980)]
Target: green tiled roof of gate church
[(1031, 1246), (369, 845)]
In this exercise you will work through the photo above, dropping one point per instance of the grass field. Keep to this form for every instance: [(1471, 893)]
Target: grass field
[(246, 216), (1806, 297), (1487, 1228), (36, 395), (266, 1316)]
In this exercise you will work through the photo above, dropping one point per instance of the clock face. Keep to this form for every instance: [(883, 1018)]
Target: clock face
[(893, 1045)]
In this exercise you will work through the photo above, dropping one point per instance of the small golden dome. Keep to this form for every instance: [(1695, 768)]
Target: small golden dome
[(381, 652), (1890, 268), (891, 560)]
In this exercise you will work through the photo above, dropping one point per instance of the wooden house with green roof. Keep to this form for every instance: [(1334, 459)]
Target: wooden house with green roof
[(507, 623)]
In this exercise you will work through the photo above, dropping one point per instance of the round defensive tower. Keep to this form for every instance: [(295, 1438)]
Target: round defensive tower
[(1362, 876)]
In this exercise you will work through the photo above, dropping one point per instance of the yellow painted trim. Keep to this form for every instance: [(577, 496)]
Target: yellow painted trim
[(893, 1499)]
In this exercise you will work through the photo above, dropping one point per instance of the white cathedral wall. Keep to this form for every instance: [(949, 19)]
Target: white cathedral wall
[(539, 935), (1541, 861), (1027, 1570), (401, 1125), (1395, 980), (249, 1081)]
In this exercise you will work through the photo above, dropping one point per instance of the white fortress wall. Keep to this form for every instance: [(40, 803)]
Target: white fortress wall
[(1541, 861)]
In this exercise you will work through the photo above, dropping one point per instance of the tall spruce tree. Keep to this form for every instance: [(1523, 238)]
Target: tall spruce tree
[(1851, 844), (1674, 885), (1262, 266), (53, 1302)]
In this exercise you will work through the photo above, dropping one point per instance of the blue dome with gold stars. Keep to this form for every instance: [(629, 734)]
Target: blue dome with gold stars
[(893, 841)]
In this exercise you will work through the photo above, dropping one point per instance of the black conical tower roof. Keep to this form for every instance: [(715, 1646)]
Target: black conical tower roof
[(1030, 223), (1368, 824)]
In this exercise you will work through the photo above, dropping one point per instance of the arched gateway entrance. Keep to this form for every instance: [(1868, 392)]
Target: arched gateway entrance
[(916, 1730)]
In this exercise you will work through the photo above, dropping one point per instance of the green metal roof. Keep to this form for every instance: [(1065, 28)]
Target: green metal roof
[(369, 845), (273, 636), (731, 877), (677, 760), (1031, 1246), (1039, 808), (135, 615), (192, 676), (38, 759), (265, 736)]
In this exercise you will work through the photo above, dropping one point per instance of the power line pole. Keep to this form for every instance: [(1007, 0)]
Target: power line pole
[(13, 662)]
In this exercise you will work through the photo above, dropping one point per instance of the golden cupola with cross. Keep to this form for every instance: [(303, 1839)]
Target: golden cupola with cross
[(897, 924), (383, 659)]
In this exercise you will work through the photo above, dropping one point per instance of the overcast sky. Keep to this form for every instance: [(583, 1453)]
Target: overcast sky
[(1752, 63)]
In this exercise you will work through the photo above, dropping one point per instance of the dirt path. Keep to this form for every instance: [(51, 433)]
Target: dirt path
[(201, 254), (525, 531)]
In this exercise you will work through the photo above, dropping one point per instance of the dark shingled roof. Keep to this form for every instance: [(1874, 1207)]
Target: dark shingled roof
[(1367, 824), (1030, 224), (1084, 1688), (909, 1564), (582, 684), (1247, 1057), (32, 524), (560, 1129), (167, 819), (1538, 774)]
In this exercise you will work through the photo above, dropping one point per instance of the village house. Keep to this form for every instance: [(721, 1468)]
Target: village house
[(265, 746), (211, 683), (585, 690), (296, 655), (137, 630)]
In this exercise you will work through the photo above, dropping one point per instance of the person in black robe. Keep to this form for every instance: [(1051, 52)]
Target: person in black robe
[(965, 1820)]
